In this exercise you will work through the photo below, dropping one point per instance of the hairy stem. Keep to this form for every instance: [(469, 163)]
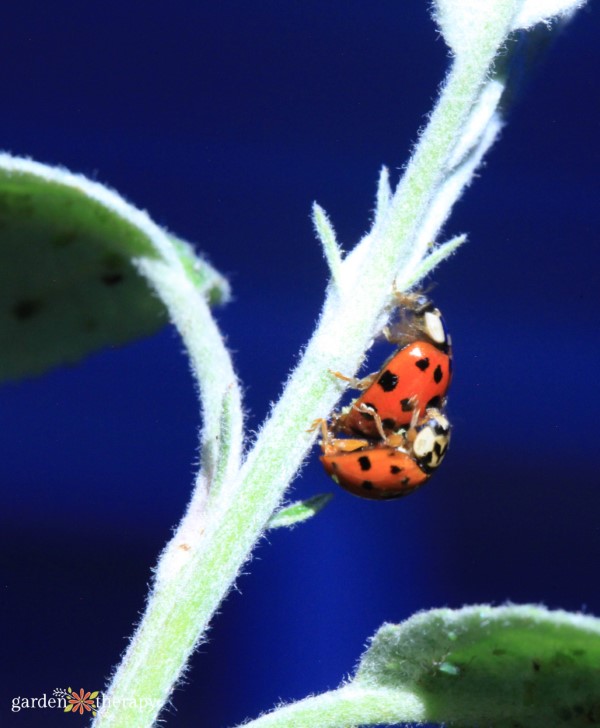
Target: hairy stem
[(197, 571), (344, 708), (181, 601)]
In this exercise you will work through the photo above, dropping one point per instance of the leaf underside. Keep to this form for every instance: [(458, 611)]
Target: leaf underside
[(68, 285), (521, 667)]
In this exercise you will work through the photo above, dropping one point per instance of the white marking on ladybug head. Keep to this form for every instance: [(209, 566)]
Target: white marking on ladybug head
[(424, 442), (434, 326)]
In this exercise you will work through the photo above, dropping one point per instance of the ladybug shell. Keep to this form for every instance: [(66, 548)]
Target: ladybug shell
[(415, 377), (379, 472)]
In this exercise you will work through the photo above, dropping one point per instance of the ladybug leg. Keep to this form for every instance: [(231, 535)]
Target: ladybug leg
[(333, 445), (315, 424), (379, 426), (405, 300), (347, 444), (415, 302), (416, 416), (411, 433), (366, 409), (335, 424), (376, 418), (355, 383), (326, 441), (327, 431), (398, 442)]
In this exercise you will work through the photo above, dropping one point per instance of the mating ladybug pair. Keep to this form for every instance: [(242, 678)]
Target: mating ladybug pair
[(397, 432)]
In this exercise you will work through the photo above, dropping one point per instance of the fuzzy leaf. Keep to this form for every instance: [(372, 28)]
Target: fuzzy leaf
[(538, 11), (464, 23), (299, 511), (68, 282), (326, 234), (505, 666)]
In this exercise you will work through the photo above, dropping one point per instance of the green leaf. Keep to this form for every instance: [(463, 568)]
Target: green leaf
[(299, 511), (542, 11), (68, 278), (438, 254), (506, 666), (203, 275), (326, 234)]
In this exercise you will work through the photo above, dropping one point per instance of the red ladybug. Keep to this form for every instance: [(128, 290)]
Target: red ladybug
[(391, 468), (413, 379)]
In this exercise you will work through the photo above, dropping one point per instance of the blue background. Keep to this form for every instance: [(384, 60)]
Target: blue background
[(226, 120)]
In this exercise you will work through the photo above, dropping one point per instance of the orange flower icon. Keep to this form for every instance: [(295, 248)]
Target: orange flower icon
[(81, 702)]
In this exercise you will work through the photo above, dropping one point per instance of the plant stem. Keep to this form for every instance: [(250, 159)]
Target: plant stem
[(187, 594), (347, 707), (178, 602)]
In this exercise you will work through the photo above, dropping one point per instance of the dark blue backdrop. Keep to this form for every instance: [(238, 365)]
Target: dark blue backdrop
[(226, 120)]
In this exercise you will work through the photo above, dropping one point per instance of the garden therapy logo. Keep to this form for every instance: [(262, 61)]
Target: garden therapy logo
[(78, 702), (84, 702), (69, 701)]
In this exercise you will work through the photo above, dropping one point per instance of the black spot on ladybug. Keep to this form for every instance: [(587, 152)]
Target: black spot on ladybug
[(435, 402), (407, 404), (438, 374), (111, 279), (364, 462), (405, 480), (26, 309), (367, 485), (388, 381), (422, 364), (388, 424), (394, 470)]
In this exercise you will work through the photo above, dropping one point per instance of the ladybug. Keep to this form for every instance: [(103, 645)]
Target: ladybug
[(413, 379), (392, 468)]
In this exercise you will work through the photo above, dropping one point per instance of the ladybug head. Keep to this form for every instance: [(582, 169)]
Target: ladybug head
[(431, 440)]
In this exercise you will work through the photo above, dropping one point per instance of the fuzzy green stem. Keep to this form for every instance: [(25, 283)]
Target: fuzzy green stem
[(349, 321), (347, 707), (177, 607), (188, 593)]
